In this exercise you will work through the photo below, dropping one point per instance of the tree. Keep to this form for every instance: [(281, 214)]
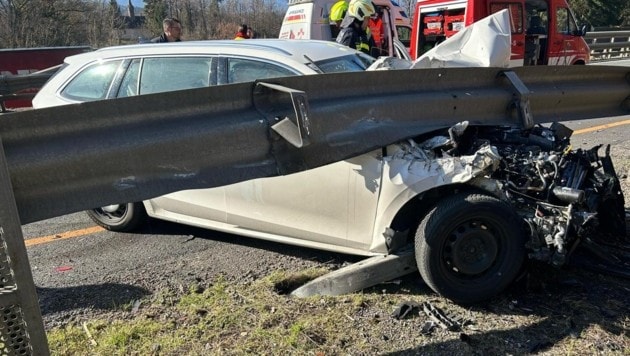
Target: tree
[(601, 13), (155, 11)]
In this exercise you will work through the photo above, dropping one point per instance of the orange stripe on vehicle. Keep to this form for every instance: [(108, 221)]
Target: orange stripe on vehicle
[(601, 127), (63, 236)]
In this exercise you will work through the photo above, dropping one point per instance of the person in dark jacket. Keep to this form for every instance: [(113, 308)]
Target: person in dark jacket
[(172, 31), (354, 24)]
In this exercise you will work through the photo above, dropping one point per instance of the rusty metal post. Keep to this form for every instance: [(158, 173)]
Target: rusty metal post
[(21, 326)]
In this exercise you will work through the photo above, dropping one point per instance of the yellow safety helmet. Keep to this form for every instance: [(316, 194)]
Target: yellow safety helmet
[(338, 10), (360, 9)]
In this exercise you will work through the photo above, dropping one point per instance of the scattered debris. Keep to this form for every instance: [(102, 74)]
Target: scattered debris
[(436, 315), (136, 306), (440, 318), (427, 328), (403, 309), (89, 334), (63, 268)]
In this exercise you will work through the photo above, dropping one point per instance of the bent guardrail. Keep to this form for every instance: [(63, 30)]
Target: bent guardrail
[(24, 86), (66, 159)]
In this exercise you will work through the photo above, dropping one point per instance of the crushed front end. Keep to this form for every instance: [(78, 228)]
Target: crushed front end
[(568, 198)]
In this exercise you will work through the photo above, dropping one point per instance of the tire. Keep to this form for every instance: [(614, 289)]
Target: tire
[(470, 247), (119, 217)]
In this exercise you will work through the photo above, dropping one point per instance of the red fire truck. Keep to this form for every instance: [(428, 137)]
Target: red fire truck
[(544, 32)]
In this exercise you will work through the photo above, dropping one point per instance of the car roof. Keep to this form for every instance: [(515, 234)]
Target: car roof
[(302, 51)]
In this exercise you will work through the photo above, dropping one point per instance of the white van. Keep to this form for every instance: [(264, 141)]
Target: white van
[(310, 19)]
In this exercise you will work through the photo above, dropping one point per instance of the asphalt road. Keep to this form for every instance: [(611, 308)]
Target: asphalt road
[(77, 266)]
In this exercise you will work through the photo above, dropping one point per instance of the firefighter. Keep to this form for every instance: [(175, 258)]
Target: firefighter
[(337, 13), (377, 32), (355, 23)]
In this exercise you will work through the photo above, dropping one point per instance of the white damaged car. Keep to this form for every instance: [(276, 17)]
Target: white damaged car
[(474, 201)]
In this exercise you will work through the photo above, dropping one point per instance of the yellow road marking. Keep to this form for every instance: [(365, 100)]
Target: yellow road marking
[(95, 229), (63, 236), (601, 127)]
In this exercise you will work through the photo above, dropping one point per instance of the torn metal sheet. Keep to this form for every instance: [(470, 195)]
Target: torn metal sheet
[(485, 43), (414, 164)]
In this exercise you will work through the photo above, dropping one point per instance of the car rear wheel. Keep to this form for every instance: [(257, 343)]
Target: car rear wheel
[(470, 247), (119, 217)]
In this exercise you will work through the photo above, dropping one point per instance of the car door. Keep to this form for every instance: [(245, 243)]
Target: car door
[(148, 75), (563, 42), (334, 204), (167, 73), (322, 205)]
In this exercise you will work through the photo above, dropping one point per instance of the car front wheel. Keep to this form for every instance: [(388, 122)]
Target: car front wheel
[(470, 247), (119, 217)]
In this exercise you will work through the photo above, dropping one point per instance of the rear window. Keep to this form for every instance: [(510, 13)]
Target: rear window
[(93, 82)]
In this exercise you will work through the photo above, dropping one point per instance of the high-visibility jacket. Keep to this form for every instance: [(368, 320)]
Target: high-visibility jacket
[(241, 36)]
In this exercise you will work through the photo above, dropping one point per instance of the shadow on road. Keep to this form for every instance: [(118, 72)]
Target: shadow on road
[(106, 296)]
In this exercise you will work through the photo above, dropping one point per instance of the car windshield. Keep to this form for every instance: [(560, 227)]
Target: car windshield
[(350, 63)]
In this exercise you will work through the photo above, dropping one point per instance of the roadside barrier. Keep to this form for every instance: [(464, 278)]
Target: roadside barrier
[(66, 159), (608, 45)]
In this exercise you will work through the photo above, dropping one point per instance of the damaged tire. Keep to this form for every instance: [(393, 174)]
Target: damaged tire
[(470, 247), (119, 217)]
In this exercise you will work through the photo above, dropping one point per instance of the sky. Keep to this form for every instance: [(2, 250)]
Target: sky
[(135, 3)]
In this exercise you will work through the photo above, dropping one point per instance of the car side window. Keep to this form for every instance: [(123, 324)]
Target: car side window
[(247, 70), (174, 73), (130, 82), (93, 82)]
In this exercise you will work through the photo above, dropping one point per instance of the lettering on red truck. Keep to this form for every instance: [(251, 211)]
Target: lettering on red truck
[(544, 32)]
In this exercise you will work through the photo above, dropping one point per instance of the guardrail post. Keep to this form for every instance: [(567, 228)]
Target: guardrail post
[(21, 326)]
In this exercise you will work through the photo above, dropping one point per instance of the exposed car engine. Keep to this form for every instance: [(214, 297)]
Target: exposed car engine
[(566, 197)]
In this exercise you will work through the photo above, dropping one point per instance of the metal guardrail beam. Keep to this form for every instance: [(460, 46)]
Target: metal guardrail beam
[(12, 84), (67, 159), (12, 87), (608, 44)]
